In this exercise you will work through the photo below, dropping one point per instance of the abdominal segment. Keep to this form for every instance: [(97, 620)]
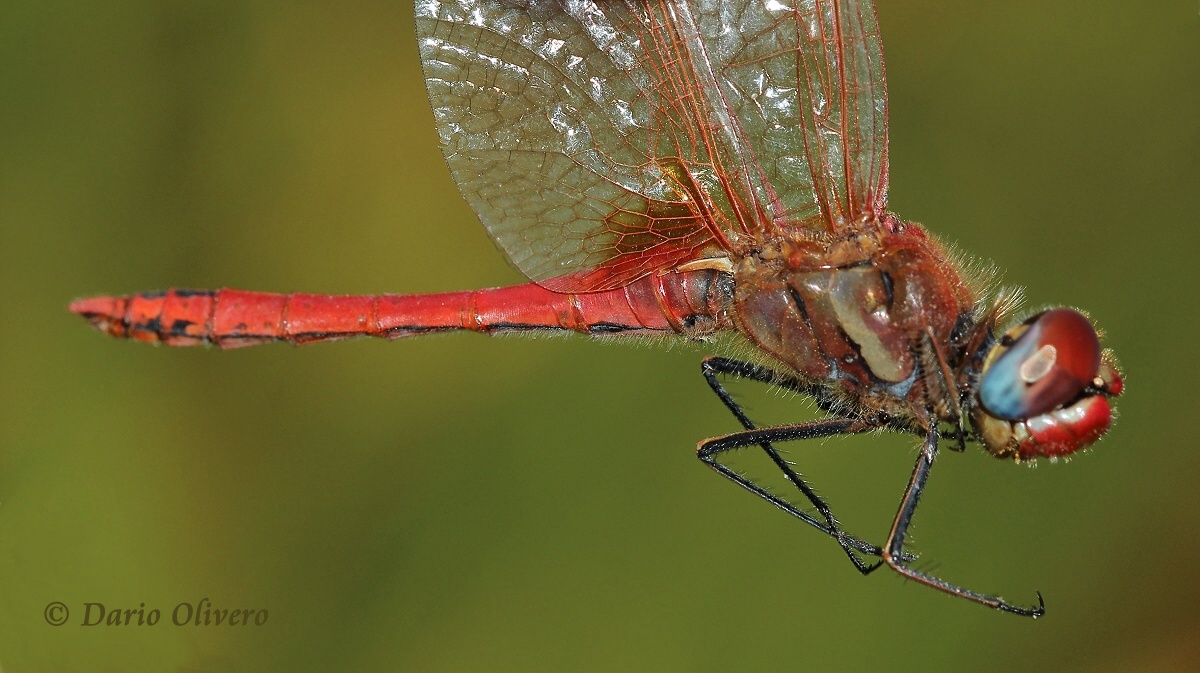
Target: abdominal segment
[(691, 303)]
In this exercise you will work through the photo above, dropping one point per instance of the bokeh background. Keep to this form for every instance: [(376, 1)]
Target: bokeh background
[(462, 503)]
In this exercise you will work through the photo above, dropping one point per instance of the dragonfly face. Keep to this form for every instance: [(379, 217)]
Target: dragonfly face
[(1044, 388)]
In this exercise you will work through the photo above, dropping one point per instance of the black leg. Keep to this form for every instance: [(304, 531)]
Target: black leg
[(710, 449), (894, 553), (950, 391)]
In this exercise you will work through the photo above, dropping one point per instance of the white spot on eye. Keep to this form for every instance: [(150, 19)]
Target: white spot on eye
[(1039, 364)]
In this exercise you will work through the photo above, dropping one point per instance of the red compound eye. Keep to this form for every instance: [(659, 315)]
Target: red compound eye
[(1045, 368)]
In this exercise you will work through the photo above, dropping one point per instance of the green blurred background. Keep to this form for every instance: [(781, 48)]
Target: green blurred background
[(462, 503)]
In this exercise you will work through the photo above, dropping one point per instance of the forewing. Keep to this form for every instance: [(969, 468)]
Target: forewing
[(806, 81), (600, 142)]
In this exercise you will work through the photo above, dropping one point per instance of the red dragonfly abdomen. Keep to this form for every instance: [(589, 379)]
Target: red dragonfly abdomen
[(692, 303)]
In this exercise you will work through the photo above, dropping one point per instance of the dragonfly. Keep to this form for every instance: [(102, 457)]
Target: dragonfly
[(696, 168)]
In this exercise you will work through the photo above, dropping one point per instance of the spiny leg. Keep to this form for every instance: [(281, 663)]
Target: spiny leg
[(894, 552), (940, 367), (709, 450)]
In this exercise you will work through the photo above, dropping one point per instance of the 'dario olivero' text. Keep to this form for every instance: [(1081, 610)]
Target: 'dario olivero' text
[(201, 613)]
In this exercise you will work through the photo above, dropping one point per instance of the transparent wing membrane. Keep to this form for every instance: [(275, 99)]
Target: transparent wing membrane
[(603, 141)]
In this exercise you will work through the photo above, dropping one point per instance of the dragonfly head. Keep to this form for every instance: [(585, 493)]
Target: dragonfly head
[(1044, 388)]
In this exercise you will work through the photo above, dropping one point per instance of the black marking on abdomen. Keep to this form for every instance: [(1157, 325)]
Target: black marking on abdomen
[(180, 327), (519, 327), (609, 328), (152, 325), (412, 330)]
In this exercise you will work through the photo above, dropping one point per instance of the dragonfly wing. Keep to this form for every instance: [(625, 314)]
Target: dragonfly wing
[(805, 79), (602, 141)]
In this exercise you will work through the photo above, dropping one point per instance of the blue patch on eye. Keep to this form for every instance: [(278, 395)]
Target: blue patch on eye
[(1002, 392)]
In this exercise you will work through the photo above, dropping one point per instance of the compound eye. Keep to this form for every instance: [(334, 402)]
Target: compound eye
[(1047, 365)]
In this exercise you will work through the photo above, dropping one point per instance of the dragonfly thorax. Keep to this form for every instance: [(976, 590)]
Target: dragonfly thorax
[(855, 313)]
